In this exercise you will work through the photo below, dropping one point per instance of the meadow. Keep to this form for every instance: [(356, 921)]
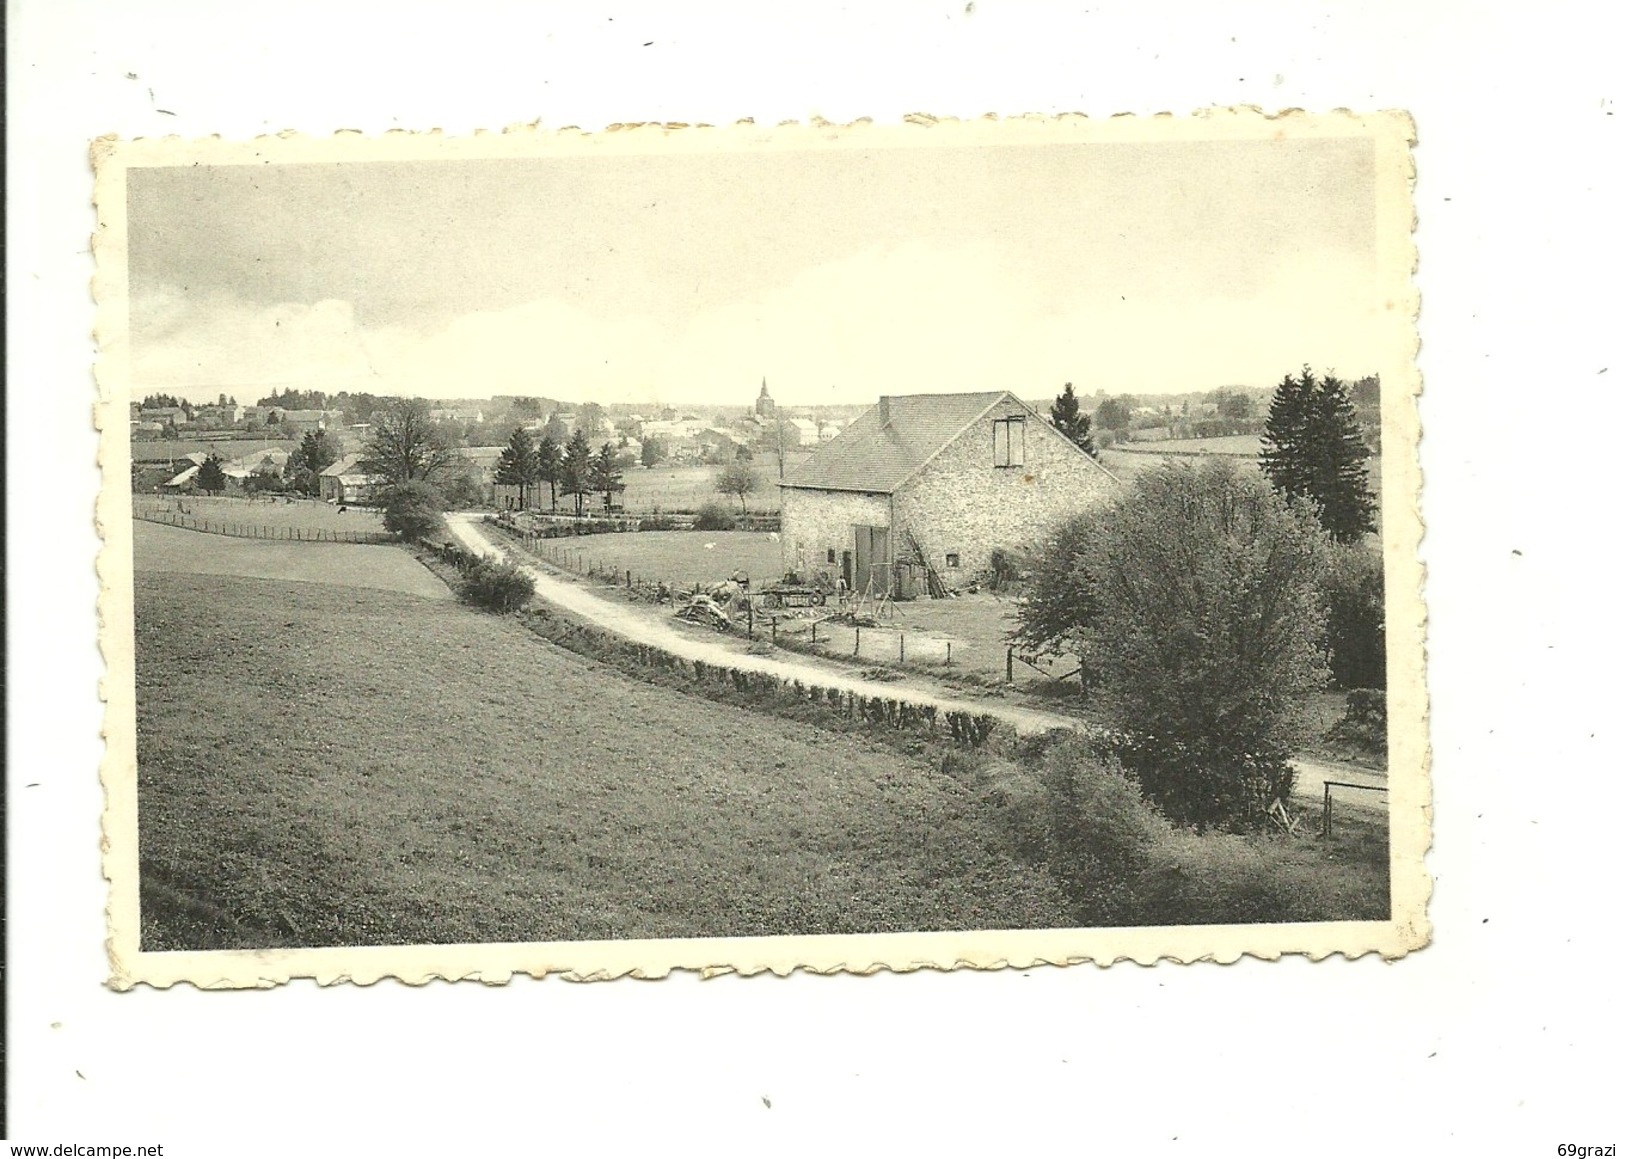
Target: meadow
[(380, 567), (262, 511), (688, 488), (327, 764), (679, 558)]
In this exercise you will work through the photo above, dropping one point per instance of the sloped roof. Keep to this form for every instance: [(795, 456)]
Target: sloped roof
[(878, 455), (344, 466)]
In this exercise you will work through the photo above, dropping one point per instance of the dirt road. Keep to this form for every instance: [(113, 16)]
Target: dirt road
[(655, 628)]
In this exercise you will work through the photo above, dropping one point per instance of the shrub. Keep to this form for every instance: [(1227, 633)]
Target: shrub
[(1356, 634), (1364, 723), (1207, 636), (412, 511), (496, 586), (1225, 878), (1101, 831), (657, 523), (714, 517)]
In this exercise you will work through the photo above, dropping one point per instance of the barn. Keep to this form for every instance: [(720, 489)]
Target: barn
[(932, 481)]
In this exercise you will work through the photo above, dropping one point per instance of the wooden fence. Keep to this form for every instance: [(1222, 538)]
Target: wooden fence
[(259, 531)]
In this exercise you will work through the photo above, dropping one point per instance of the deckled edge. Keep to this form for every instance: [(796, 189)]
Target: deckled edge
[(1407, 930)]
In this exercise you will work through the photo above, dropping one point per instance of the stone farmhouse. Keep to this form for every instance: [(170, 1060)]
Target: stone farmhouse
[(931, 481)]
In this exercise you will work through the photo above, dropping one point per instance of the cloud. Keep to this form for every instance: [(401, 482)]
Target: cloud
[(906, 319)]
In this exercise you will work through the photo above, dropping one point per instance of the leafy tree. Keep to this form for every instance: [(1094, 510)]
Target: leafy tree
[(604, 475), (518, 466), (653, 451), (296, 399), (1206, 635), (1070, 420), (265, 477), (575, 470), (406, 445), (412, 510), (1356, 626), (460, 488), (1058, 603), (1114, 414), (556, 430), (591, 420), (737, 478), (153, 401), (211, 478), (1313, 449), (1233, 404), (550, 468), (527, 407)]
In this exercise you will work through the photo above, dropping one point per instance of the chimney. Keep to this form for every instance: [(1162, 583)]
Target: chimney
[(885, 410)]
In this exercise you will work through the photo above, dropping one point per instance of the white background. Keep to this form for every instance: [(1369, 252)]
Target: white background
[(1499, 1039)]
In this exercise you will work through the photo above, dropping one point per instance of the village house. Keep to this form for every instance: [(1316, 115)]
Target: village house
[(345, 481), (932, 481)]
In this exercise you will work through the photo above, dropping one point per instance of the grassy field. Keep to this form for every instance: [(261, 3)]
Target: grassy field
[(309, 514), (322, 765), (381, 567), (1244, 446), (679, 558)]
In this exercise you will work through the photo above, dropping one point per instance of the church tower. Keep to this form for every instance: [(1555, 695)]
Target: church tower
[(764, 403)]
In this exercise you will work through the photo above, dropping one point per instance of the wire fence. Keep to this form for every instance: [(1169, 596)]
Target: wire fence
[(850, 626), (260, 531)]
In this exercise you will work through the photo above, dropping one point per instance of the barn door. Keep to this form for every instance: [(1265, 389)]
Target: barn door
[(872, 551)]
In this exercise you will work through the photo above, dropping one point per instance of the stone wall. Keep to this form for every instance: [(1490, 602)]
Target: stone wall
[(964, 505), (814, 523)]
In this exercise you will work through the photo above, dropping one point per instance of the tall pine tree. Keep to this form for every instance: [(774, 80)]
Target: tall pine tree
[(1070, 420), (575, 471), (549, 468), (517, 467), (1312, 449)]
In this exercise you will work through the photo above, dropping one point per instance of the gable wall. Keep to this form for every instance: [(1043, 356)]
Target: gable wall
[(962, 503), (812, 522)]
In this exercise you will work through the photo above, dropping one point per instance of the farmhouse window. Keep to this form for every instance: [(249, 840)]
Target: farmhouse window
[(1010, 441), (829, 555), (953, 559)]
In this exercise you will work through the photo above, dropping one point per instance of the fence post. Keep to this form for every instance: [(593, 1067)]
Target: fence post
[(857, 637), (1326, 814), (815, 631), (949, 661), (1009, 665), (901, 636)]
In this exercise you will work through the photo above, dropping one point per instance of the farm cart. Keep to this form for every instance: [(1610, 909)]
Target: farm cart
[(787, 595)]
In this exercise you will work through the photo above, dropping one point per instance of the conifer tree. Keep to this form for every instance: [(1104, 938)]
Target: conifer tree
[(575, 470), (549, 468), (517, 466), (1070, 420), (1313, 449)]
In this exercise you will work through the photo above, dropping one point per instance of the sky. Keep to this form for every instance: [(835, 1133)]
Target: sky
[(836, 275)]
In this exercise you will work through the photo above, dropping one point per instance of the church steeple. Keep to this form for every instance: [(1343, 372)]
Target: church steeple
[(764, 401)]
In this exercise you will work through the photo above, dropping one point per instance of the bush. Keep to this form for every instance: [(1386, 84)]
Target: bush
[(1207, 636), (1365, 721), (1356, 632), (657, 523), (1101, 831), (714, 517), (1225, 878), (496, 586), (412, 511)]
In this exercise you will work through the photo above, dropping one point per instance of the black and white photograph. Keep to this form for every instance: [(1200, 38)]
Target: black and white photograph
[(656, 545)]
